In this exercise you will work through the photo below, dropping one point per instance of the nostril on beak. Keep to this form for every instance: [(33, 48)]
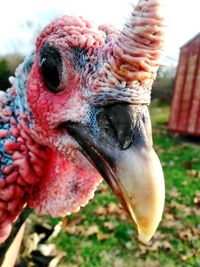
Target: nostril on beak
[(118, 123)]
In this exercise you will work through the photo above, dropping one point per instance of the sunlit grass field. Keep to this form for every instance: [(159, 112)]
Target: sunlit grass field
[(100, 235)]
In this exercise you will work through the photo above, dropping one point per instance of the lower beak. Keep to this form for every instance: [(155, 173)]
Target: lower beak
[(122, 153)]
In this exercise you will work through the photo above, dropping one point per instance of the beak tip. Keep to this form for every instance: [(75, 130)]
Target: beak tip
[(145, 235), (143, 239)]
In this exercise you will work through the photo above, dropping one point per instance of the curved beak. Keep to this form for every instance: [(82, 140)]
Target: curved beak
[(120, 148)]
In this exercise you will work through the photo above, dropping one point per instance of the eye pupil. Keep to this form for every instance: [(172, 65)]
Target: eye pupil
[(50, 72), (51, 66)]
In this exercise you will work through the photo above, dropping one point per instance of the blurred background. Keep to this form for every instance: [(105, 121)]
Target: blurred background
[(100, 234)]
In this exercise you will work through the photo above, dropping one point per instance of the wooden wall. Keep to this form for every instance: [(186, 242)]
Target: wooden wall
[(185, 106)]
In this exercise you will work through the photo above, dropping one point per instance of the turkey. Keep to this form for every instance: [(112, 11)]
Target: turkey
[(77, 111)]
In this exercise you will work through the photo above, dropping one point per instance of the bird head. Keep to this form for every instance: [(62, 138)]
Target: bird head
[(85, 95)]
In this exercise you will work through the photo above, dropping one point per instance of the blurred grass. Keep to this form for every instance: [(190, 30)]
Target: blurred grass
[(113, 243)]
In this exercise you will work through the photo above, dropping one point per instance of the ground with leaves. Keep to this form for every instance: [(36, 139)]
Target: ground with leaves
[(100, 234)]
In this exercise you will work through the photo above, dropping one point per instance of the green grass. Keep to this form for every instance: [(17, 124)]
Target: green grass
[(177, 242)]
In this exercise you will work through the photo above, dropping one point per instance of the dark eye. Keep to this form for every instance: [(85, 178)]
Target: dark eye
[(50, 63)]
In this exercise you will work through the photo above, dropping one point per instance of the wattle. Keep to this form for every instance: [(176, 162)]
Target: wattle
[(66, 187)]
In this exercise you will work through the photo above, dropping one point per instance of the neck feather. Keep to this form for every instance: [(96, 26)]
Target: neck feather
[(22, 160)]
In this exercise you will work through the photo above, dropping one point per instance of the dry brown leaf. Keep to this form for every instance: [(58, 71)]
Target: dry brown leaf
[(196, 211), (197, 198), (102, 236), (114, 208), (175, 205), (109, 225), (189, 234), (187, 211), (91, 230), (169, 217), (101, 211), (111, 209), (160, 236), (74, 229), (187, 256), (174, 192), (169, 209), (167, 246), (172, 224), (80, 230), (103, 188), (155, 245), (193, 173)]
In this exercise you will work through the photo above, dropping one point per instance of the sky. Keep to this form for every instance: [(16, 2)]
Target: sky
[(20, 20)]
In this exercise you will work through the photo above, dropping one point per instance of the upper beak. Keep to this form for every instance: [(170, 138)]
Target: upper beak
[(121, 150)]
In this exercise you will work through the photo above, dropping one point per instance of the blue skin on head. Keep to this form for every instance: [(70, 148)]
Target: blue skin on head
[(16, 105), (6, 159)]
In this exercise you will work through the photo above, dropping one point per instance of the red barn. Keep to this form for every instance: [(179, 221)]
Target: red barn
[(185, 107)]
